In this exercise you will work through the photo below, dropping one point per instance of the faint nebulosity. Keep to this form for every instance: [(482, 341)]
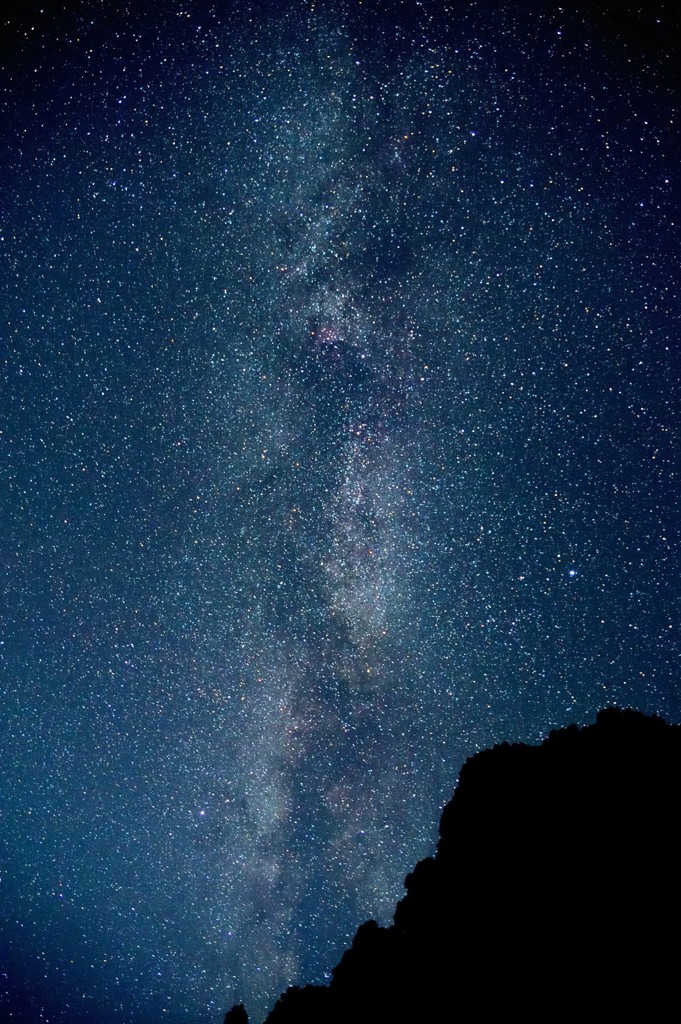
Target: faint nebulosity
[(337, 443)]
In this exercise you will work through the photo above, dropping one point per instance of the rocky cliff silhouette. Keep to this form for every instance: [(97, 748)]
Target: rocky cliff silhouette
[(554, 892)]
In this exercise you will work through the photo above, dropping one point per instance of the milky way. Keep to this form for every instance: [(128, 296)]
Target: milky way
[(337, 443)]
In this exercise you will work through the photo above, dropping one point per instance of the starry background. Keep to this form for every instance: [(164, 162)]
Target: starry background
[(337, 443)]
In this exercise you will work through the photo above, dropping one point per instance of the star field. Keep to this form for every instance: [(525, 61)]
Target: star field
[(337, 443)]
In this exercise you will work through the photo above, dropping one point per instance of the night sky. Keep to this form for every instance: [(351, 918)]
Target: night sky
[(338, 350)]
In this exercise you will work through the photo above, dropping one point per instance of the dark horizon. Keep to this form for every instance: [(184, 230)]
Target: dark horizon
[(553, 888)]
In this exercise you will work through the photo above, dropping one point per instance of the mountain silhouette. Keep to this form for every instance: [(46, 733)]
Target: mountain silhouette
[(553, 894)]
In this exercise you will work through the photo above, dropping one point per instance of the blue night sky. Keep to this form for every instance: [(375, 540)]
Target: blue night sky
[(339, 371)]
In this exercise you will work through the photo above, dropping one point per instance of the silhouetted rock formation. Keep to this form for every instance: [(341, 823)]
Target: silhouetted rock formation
[(237, 1015), (554, 892)]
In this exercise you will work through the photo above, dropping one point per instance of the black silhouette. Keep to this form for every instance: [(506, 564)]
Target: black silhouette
[(554, 892), (237, 1015)]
